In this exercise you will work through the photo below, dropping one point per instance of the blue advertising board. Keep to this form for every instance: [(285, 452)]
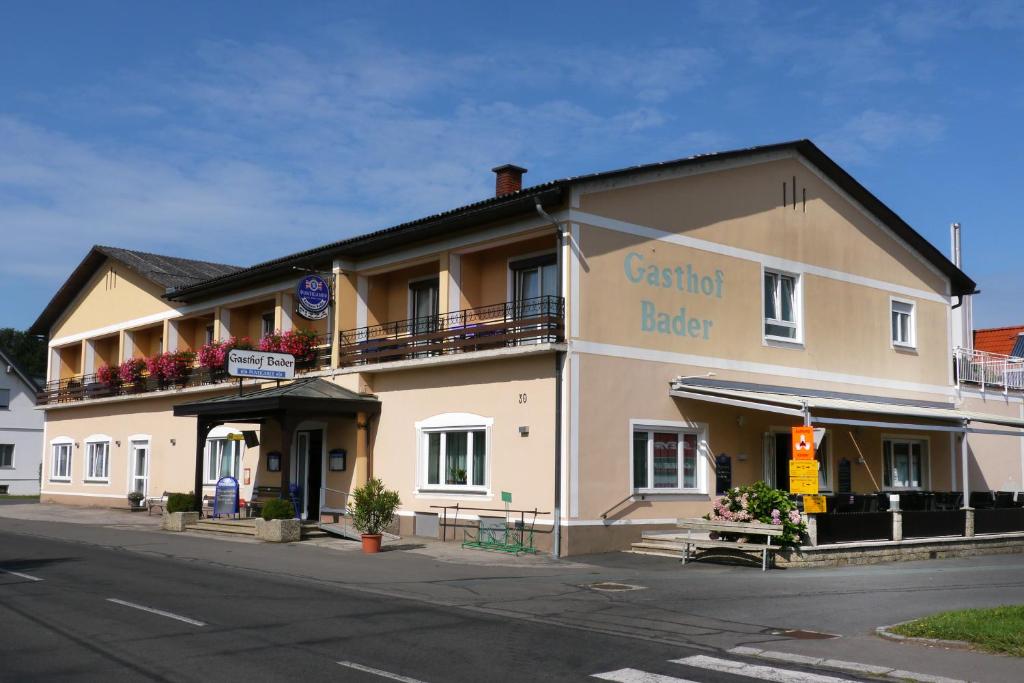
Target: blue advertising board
[(313, 295), (225, 499)]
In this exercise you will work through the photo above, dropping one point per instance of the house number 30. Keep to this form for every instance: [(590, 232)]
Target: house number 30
[(522, 399)]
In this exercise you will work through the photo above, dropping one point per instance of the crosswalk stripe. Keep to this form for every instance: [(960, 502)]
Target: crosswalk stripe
[(637, 676), (764, 673)]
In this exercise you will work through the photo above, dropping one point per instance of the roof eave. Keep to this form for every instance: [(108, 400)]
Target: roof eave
[(371, 243)]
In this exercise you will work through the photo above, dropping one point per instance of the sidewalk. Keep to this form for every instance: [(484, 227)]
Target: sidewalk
[(703, 605)]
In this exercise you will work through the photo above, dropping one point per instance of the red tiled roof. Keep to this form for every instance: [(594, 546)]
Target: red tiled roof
[(997, 339)]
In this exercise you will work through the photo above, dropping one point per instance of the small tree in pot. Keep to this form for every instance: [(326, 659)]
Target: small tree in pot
[(373, 509), (135, 499)]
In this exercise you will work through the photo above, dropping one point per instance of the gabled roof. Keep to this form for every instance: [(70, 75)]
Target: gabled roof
[(552, 193), (169, 272), (20, 371), (1001, 340)]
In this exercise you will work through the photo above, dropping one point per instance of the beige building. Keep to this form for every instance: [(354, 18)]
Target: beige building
[(610, 349)]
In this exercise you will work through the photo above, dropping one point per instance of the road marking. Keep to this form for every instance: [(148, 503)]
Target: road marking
[(379, 672), (153, 610), (765, 673), (19, 574), (637, 676)]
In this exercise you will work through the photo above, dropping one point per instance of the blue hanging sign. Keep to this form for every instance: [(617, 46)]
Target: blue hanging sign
[(313, 295), (225, 499)]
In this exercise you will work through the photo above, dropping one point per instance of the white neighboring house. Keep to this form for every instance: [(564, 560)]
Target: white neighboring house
[(21, 431)]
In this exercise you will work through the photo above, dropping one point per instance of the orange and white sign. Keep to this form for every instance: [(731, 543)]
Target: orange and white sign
[(803, 443)]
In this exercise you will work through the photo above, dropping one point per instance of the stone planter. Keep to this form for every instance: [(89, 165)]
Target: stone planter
[(278, 530), (179, 521)]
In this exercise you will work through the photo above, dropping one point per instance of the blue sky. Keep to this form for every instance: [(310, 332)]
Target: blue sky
[(242, 131)]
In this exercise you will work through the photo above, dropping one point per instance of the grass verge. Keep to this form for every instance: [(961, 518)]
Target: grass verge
[(999, 629)]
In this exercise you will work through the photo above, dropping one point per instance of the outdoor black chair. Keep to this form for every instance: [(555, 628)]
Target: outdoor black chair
[(1004, 499), (981, 500)]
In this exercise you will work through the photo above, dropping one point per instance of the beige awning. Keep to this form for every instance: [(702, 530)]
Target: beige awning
[(796, 404)]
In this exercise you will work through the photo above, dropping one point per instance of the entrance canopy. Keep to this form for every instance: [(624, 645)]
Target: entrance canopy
[(288, 405), (805, 404)]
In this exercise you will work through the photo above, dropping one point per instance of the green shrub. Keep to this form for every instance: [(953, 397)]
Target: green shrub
[(759, 502), (278, 508), (182, 502), (135, 498), (373, 508)]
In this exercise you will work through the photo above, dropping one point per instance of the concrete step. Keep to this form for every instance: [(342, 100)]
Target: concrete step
[(220, 527)]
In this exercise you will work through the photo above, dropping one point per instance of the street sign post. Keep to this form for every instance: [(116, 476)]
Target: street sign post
[(803, 443), (803, 476)]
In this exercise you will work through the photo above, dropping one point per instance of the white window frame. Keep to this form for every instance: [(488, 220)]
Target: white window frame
[(798, 309), (133, 441), (911, 326), (61, 441), (699, 429), (263, 324), (11, 466), (924, 476), (91, 442), (220, 434), (453, 422)]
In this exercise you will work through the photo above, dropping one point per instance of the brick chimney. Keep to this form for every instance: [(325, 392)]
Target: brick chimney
[(508, 179)]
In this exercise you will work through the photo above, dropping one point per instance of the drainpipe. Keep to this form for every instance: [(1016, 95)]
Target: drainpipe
[(556, 534)]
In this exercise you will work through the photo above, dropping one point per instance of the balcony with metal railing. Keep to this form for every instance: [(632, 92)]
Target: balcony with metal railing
[(540, 320), (988, 370), (94, 386)]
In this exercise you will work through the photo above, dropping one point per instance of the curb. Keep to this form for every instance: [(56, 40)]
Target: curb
[(884, 632), (888, 673)]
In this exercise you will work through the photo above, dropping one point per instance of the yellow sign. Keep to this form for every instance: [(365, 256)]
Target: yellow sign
[(803, 443), (814, 504), (803, 476), (235, 437)]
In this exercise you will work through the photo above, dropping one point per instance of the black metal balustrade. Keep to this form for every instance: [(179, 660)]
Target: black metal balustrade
[(84, 387), (513, 323)]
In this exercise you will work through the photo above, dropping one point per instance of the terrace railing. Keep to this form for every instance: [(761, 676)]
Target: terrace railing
[(513, 323), (85, 387), (988, 369)]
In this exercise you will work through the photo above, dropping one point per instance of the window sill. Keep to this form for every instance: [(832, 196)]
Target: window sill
[(904, 348), (782, 342), (669, 492), (56, 480), (461, 490), (96, 481)]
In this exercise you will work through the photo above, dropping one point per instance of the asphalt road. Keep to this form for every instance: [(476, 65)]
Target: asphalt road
[(75, 611)]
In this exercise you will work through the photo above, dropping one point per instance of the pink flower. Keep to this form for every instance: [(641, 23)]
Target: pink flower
[(794, 517), (776, 517)]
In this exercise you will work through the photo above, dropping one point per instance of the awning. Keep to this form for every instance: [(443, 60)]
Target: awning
[(312, 397), (800, 405)]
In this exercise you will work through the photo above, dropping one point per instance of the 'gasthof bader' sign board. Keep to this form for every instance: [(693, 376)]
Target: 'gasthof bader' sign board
[(261, 364), (681, 278)]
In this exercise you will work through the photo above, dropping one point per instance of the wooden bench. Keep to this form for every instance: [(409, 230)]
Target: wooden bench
[(768, 531), (157, 502), (260, 495)]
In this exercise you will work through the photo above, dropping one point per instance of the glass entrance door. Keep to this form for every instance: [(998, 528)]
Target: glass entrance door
[(309, 471), (140, 467), (423, 297)]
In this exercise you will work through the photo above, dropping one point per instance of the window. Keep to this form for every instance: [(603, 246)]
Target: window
[(6, 455), (267, 324), (5, 399), (457, 458), (423, 304), (97, 460), (533, 278), (665, 459), (902, 315), (905, 463), (781, 306), (455, 451), (223, 457), (61, 464), (209, 334)]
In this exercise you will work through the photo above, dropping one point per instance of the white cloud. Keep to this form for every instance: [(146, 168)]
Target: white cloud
[(861, 138)]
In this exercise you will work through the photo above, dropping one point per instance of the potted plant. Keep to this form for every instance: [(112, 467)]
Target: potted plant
[(213, 357), (170, 367), (299, 343), (135, 499), (373, 509), (131, 372), (278, 522)]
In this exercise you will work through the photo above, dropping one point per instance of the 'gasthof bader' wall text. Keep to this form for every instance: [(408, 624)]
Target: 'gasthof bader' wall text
[(682, 279)]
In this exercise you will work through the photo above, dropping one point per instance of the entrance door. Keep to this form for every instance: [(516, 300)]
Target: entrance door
[(309, 470), (776, 454), (423, 296), (140, 467)]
